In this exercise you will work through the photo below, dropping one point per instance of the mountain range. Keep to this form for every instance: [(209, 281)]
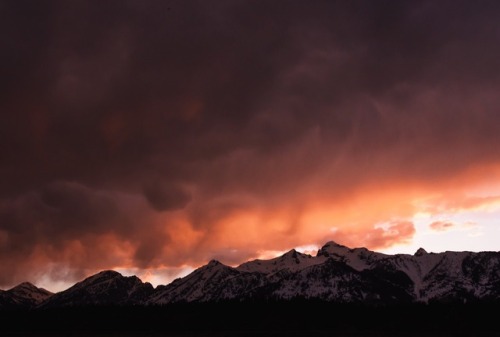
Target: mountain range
[(336, 274)]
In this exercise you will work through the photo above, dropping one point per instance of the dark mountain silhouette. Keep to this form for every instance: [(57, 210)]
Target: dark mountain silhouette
[(337, 274), (104, 289), (24, 295)]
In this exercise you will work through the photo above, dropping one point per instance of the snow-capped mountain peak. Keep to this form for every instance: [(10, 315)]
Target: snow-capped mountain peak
[(24, 295), (104, 288), (214, 263), (357, 258), (27, 286), (332, 248)]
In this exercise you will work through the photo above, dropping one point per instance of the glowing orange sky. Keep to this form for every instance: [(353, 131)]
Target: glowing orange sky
[(150, 137)]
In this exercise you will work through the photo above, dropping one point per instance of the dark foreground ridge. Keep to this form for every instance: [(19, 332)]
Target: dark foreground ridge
[(295, 315)]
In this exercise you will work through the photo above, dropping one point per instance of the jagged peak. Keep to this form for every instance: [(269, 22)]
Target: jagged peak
[(105, 274), (420, 252), (293, 255), (332, 243), (331, 247), (362, 249), (108, 273), (290, 253), (30, 287), (112, 275), (25, 285), (213, 266), (214, 263)]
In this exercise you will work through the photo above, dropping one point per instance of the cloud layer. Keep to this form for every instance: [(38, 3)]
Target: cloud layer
[(156, 134)]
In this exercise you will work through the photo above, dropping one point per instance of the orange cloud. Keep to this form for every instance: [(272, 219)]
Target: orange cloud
[(441, 226), (130, 234)]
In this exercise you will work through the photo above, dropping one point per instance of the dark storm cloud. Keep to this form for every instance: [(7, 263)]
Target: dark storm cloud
[(63, 207), (63, 214), (213, 108), (130, 87), (164, 197)]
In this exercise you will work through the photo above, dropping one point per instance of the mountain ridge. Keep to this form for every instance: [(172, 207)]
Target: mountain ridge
[(336, 274)]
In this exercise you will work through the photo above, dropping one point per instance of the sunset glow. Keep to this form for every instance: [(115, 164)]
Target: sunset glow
[(151, 137)]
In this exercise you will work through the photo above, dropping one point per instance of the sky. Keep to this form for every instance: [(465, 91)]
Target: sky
[(152, 136)]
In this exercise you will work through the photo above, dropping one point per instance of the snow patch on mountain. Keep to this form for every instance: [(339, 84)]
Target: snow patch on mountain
[(203, 284), (27, 291)]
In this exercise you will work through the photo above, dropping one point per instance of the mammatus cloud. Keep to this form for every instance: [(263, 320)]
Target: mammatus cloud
[(158, 135)]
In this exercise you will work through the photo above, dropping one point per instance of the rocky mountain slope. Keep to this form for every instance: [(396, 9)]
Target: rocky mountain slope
[(24, 295), (343, 275), (105, 288)]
